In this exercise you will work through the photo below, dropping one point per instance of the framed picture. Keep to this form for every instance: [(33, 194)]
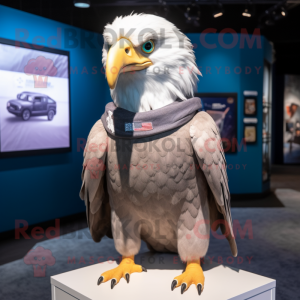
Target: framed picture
[(266, 161), (34, 100), (291, 111), (250, 133), (222, 107), (250, 106)]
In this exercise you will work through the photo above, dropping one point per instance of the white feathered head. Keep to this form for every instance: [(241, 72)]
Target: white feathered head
[(149, 63)]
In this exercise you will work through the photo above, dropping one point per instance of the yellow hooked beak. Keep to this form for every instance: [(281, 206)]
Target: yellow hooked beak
[(123, 58)]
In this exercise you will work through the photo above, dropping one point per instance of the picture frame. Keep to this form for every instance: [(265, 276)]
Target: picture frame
[(42, 50), (222, 107), (250, 106), (250, 133)]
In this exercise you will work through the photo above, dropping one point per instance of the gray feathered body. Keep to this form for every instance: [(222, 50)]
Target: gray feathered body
[(167, 189)]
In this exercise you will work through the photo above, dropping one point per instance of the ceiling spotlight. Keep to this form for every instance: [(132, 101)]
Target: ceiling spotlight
[(218, 12), (82, 3), (246, 13), (283, 11), (280, 14)]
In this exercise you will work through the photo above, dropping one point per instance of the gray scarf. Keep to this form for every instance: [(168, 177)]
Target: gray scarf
[(122, 123)]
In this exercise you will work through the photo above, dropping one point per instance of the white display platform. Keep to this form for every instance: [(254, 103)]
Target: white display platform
[(221, 282)]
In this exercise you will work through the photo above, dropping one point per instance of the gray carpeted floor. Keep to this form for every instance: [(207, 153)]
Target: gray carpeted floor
[(271, 249)]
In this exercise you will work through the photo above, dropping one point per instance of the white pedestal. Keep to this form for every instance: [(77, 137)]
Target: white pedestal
[(221, 282)]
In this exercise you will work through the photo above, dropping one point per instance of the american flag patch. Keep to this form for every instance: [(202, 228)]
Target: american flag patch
[(138, 126)]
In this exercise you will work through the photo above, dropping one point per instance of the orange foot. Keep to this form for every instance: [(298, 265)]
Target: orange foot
[(193, 274), (124, 269)]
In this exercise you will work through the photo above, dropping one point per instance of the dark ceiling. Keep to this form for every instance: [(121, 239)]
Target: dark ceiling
[(284, 33)]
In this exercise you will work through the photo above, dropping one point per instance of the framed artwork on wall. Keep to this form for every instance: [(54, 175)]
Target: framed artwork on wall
[(266, 121), (250, 133), (291, 111), (35, 103), (222, 107), (250, 106)]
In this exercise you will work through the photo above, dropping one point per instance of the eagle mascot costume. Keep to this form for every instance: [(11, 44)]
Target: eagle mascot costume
[(153, 160)]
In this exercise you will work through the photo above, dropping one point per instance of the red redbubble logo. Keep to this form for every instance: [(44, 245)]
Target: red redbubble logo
[(39, 258), (94, 165), (40, 68)]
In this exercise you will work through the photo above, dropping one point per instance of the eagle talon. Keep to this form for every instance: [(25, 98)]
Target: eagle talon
[(100, 280), (199, 288), (113, 283), (193, 274), (173, 285), (183, 287), (123, 270)]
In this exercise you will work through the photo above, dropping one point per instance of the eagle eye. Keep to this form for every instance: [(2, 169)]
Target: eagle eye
[(148, 47)]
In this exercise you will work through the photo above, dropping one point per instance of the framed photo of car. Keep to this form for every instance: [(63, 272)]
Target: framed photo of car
[(34, 100), (250, 106)]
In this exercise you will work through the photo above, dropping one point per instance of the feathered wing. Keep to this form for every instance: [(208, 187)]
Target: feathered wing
[(208, 147), (94, 188)]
